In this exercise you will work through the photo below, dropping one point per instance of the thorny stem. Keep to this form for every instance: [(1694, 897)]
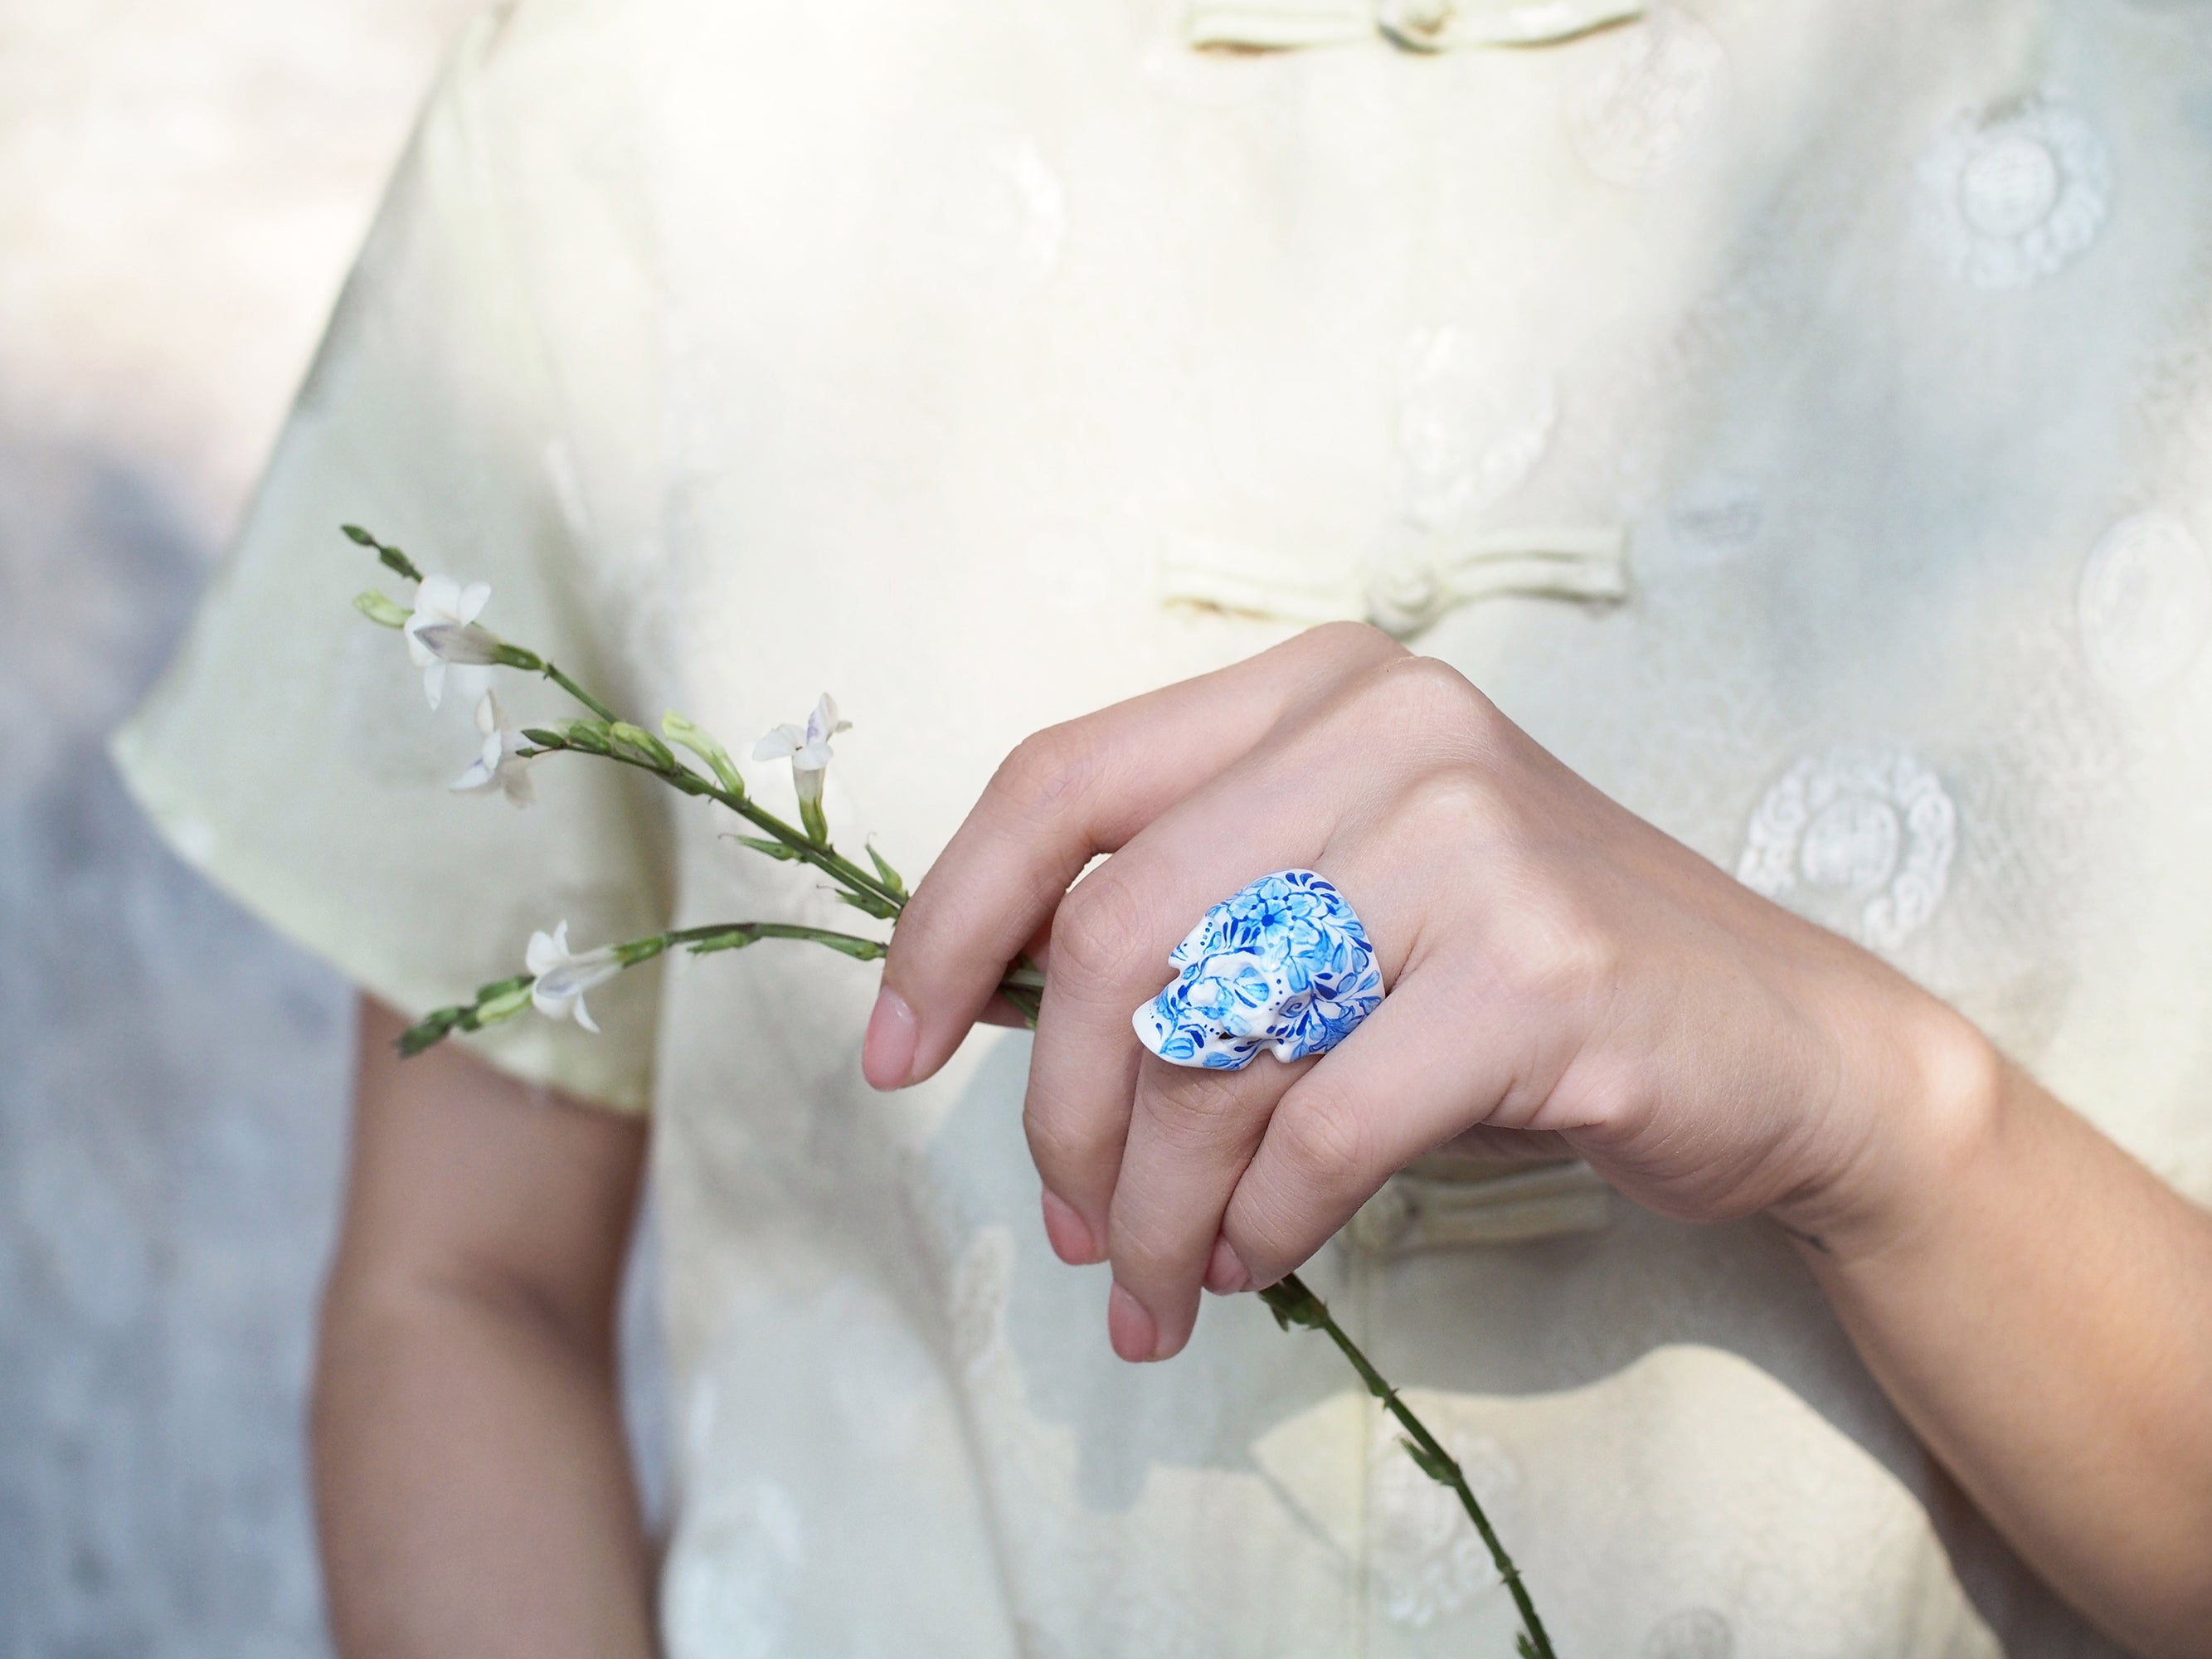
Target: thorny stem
[(884, 895), (1293, 1304)]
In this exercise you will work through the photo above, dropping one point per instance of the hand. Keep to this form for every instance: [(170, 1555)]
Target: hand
[(1561, 975)]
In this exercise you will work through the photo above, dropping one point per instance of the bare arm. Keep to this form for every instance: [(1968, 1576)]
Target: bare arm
[(2042, 1315), (472, 1488)]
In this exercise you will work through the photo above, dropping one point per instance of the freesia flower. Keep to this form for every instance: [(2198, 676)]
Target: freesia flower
[(808, 747), (563, 977), (500, 763), (443, 603)]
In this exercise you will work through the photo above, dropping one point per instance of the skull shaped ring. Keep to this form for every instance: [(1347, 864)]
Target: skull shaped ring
[(1281, 964)]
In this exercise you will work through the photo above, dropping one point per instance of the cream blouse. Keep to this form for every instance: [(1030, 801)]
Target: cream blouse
[(1796, 413)]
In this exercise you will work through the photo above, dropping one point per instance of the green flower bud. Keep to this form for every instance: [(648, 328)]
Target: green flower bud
[(505, 1005), (381, 608), (590, 735), (640, 744), (679, 729)]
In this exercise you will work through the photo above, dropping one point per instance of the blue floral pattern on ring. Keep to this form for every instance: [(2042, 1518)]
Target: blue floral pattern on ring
[(1282, 965)]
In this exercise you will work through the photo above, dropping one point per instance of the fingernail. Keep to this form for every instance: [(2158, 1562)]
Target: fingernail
[(887, 1055), (1130, 1328), (1225, 1274), (1070, 1238)]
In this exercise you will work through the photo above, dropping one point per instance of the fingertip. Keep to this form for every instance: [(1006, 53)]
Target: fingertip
[(1132, 1331), (1226, 1273), (887, 1053), (1070, 1235)]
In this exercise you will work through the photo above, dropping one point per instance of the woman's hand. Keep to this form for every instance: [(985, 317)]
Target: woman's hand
[(1561, 975)]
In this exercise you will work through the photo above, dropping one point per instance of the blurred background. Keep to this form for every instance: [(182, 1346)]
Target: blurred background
[(182, 185)]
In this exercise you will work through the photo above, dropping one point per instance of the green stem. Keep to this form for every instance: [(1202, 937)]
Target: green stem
[(577, 692), (1294, 1304), (803, 847)]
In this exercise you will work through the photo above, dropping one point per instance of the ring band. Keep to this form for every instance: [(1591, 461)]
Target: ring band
[(1282, 965)]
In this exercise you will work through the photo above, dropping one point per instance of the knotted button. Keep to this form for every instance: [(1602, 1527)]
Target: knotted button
[(1420, 25)]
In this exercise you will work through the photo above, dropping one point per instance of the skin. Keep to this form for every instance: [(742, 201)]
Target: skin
[(1566, 979), (472, 1487)]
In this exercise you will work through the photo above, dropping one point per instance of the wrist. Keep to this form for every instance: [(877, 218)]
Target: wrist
[(1914, 1108)]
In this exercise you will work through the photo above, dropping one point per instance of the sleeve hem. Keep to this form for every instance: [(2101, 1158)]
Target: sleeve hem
[(302, 912)]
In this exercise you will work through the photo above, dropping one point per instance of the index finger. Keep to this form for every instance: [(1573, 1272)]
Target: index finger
[(1063, 796)]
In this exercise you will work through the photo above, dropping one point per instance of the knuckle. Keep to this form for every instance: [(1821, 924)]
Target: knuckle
[(1044, 770), (1322, 1140), (1356, 642), (1060, 1142), (1459, 806), (1101, 930), (1422, 695)]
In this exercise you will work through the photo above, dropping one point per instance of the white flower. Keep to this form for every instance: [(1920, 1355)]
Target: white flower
[(808, 746), (563, 978), (443, 604), (500, 764)]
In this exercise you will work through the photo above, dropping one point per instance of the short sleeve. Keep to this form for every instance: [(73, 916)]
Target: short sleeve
[(290, 751)]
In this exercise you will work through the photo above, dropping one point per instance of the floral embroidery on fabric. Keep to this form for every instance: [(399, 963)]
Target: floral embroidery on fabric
[(1860, 840), (2145, 603), (1662, 84), (2012, 195), (1426, 1562), (1282, 965)]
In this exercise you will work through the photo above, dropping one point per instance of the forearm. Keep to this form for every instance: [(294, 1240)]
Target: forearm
[(2043, 1319), (472, 1486)]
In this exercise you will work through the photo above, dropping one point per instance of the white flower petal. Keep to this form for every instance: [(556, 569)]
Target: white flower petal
[(476, 777), (433, 682), (488, 714), (584, 1016), (438, 598), (783, 740), (471, 601), (546, 950)]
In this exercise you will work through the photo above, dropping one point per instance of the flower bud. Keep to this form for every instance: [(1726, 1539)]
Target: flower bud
[(638, 744), (381, 608), (470, 643), (504, 1005), (679, 729)]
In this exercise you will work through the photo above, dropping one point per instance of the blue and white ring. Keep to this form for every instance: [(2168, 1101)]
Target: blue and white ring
[(1282, 965)]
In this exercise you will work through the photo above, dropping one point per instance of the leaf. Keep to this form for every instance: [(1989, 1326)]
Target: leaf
[(1442, 1470), (1292, 1304), (1524, 1646), (774, 850), (883, 869)]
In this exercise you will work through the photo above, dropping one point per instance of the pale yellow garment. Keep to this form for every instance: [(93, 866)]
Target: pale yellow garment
[(1793, 411)]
